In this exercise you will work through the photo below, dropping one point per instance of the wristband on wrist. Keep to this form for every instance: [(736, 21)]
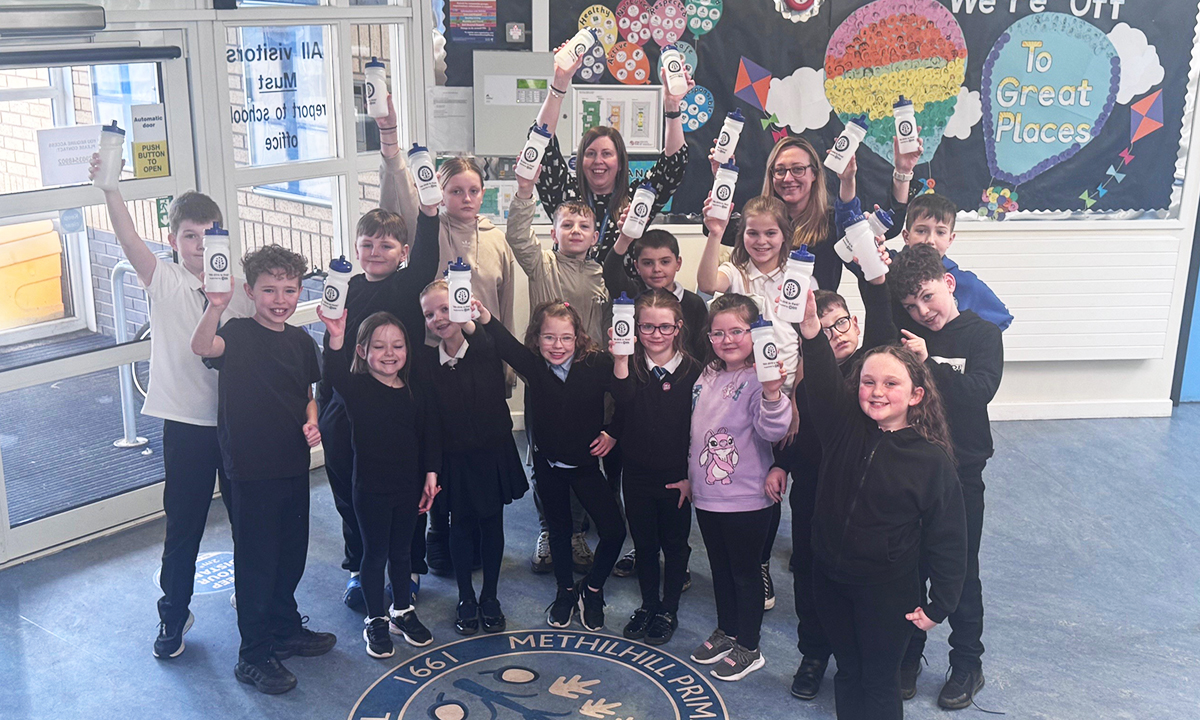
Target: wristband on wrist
[(556, 91), (901, 176), (384, 128), (672, 114)]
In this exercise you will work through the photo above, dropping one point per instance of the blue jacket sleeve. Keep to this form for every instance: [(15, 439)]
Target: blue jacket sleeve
[(974, 294)]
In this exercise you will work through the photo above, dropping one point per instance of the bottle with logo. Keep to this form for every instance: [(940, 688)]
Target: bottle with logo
[(639, 211), (727, 141), (458, 277), (420, 165), (622, 326), (218, 276), (575, 48), (859, 242), (724, 183), (535, 148), (906, 124), (797, 284), (846, 145), (377, 89), (333, 297), (673, 65), (112, 144), (766, 352)]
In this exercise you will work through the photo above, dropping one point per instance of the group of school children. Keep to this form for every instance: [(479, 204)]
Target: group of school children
[(884, 440)]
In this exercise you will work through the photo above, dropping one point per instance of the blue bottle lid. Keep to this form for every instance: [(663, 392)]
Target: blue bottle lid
[(856, 219), (374, 63), (760, 322), (884, 217), (648, 188), (902, 102), (416, 148), (670, 47), (736, 115), (216, 229), (340, 265), (459, 266), (623, 300), (113, 129), (861, 121), (801, 254), (730, 166), (543, 130)]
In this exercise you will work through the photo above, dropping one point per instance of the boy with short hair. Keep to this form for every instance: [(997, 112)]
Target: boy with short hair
[(930, 220), (965, 354), (657, 260), (183, 394), (267, 421)]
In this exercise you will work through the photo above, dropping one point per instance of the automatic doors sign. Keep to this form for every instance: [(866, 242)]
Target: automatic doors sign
[(542, 675), (214, 573)]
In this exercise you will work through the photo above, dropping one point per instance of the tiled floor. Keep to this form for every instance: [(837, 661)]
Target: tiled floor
[(1090, 566)]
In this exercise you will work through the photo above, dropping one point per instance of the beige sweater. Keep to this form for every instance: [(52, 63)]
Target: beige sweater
[(552, 276)]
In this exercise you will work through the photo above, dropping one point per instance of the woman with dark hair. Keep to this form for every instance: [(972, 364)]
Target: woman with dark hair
[(602, 164)]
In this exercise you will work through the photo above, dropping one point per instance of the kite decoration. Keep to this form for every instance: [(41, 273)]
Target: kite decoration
[(798, 10), (1145, 116), (752, 84), (702, 15)]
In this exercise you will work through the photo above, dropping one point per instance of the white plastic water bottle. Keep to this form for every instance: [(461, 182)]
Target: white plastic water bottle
[(859, 242), (766, 352), (622, 326), (639, 211), (846, 144), (727, 141), (112, 145), (673, 66), (420, 165), (724, 183), (458, 277), (906, 125), (337, 281), (797, 284), (531, 155), (218, 276), (575, 48), (377, 89)]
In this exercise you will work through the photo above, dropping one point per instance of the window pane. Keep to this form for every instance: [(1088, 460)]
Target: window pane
[(281, 94), (368, 191), (297, 215)]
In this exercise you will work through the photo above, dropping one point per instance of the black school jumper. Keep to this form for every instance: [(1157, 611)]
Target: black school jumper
[(262, 400), (396, 440), (802, 460), (565, 417), (966, 358), (695, 311), (886, 501), (657, 412), (399, 294), (481, 468)]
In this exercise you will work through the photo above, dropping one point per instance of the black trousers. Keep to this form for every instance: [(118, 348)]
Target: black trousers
[(386, 521), (966, 622), (467, 533), (191, 459), (657, 523), (270, 521), (868, 632), (772, 531), (734, 542), (810, 635), (554, 486)]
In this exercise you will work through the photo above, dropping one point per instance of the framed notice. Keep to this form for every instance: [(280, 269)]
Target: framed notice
[(634, 111)]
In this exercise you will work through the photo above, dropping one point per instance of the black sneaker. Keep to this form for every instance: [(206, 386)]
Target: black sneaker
[(406, 623), (591, 606), (558, 614), (768, 587), (169, 643), (909, 671), (466, 619), (626, 566), (268, 676), (806, 683), (959, 691), (635, 629), (492, 616), (662, 628), (379, 640), (304, 643), (437, 554)]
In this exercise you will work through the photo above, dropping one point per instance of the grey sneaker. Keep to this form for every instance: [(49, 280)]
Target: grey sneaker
[(541, 562), (626, 566), (581, 554), (714, 649), (739, 663)]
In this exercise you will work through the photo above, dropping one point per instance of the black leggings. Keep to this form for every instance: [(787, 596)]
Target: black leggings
[(554, 486), (468, 532), (866, 627), (387, 521), (811, 636), (772, 531), (656, 523), (734, 542)]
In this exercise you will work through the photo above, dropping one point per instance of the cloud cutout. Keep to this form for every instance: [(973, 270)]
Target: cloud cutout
[(799, 100), (967, 113), (1140, 68)]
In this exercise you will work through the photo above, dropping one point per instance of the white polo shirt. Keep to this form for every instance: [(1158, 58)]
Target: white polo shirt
[(763, 289), (182, 388)]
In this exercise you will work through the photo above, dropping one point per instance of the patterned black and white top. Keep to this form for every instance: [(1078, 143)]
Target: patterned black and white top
[(557, 185)]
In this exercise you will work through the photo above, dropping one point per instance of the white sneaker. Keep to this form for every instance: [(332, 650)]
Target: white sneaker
[(541, 561)]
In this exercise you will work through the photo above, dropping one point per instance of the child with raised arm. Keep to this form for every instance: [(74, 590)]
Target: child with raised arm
[(481, 468), (735, 420), (397, 457), (568, 378), (183, 394), (654, 391), (965, 354), (266, 422)]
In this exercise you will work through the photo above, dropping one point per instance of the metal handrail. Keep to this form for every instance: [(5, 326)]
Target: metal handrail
[(128, 419)]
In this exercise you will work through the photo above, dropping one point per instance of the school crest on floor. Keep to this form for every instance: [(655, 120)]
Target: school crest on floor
[(542, 675)]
